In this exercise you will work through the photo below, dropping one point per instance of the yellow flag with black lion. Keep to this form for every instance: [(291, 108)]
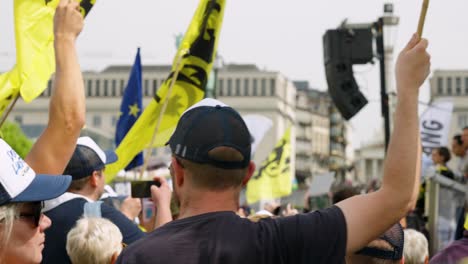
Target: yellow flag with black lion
[(274, 178), (192, 65)]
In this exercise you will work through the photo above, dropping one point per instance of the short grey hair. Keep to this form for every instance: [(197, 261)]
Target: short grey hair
[(416, 248), (93, 240)]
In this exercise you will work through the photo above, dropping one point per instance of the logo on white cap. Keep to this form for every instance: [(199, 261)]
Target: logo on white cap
[(15, 173)]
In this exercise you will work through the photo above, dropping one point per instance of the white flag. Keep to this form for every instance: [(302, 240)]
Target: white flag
[(435, 125), (258, 126)]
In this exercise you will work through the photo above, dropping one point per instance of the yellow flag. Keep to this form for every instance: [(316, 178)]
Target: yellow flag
[(9, 88), (34, 30), (35, 58), (466, 222), (273, 179), (200, 40)]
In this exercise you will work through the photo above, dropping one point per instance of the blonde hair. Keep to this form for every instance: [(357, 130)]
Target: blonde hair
[(8, 213), (416, 248), (94, 241)]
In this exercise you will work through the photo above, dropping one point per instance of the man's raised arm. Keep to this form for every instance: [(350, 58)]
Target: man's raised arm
[(52, 151), (368, 216)]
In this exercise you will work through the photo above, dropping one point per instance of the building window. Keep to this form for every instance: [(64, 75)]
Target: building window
[(146, 86), (49, 91), (122, 87), (106, 88), (114, 88), (19, 119), (90, 87), (263, 87), (462, 121), (49, 88), (220, 88), (449, 85), (466, 85), (254, 86), (238, 88), (440, 85), (458, 85), (98, 88), (229, 87), (272, 86), (155, 86), (246, 87), (97, 121)]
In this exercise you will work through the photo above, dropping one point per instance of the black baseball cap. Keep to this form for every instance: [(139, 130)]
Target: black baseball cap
[(88, 157), (207, 125)]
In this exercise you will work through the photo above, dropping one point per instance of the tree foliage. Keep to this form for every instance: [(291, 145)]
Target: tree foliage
[(15, 137)]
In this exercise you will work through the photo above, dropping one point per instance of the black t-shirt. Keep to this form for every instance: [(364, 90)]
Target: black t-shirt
[(64, 218), (225, 238)]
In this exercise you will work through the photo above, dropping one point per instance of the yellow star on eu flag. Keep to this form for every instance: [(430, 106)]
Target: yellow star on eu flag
[(133, 110)]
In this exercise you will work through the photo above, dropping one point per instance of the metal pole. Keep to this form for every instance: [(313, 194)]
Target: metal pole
[(383, 86)]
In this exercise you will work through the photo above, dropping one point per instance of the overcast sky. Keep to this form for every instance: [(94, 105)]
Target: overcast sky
[(283, 36)]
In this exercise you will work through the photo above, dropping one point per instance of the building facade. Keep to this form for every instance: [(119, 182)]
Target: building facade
[(312, 131), (244, 87), (452, 85), (369, 162)]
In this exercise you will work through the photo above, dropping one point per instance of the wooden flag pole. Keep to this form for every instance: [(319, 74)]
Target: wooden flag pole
[(163, 110), (5, 116), (422, 17)]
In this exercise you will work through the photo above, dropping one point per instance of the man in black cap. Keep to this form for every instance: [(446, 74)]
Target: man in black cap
[(87, 170), (211, 163)]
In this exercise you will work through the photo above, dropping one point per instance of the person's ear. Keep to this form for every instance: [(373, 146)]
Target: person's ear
[(250, 172), (114, 258), (179, 173), (94, 179)]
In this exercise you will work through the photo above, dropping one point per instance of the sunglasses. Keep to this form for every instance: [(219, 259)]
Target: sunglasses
[(35, 213)]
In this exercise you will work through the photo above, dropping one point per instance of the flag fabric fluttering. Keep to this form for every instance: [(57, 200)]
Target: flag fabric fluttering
[(200, 41), (274, 178), (35, 58), (131, 108), (435, 125)]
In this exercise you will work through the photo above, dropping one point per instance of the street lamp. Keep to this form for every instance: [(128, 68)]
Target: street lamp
[(390, 29), (212, 85), (385, 31)]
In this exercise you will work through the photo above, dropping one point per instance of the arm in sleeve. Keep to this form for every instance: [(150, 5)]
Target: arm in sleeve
[(129, 230)]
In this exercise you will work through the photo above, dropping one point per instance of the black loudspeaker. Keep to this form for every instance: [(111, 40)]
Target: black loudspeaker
[(342, 49), (344, 90)]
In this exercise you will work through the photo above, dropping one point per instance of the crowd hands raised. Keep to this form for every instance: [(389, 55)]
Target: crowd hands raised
[(207, 175)]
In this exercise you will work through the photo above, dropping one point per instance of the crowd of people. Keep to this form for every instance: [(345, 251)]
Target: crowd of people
[(60, 219)]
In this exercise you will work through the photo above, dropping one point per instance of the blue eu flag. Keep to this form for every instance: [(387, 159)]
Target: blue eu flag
[(131, 108)]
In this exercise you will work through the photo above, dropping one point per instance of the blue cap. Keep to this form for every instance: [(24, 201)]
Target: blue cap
[(88, 157)]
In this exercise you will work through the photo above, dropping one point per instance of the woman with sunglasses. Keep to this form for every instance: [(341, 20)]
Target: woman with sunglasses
[(22, 193), (22, 224)]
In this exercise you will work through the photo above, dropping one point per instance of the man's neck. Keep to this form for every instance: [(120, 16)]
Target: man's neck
[(208, 202), (87, 194)]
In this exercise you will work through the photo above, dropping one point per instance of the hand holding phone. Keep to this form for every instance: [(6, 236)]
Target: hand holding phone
[(142, 189)]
